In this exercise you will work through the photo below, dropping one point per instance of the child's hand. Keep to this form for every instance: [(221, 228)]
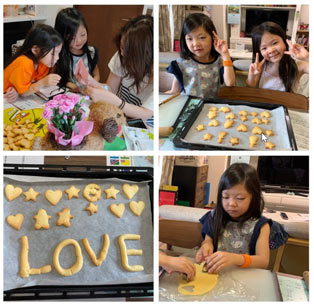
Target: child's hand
[(50, 80), (297, 51), (256, 67), (180, 264), (11, 95), (97, 94), (220, 45), (218, 261), (203, 253)]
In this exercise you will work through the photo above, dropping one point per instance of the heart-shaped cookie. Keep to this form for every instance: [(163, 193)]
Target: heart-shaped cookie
[(12, 192), (137, 207), (53, 196), (130, 190), (117, 209), (15, 221)]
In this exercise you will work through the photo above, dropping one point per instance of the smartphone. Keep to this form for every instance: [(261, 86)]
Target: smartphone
[(138, 123)]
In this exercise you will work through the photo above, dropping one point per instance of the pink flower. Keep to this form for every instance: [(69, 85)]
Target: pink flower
[(47, 113), (67, 106)]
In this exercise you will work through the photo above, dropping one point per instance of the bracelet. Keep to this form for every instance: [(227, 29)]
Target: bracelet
[(247, 261), (227, 63), (122, 105)]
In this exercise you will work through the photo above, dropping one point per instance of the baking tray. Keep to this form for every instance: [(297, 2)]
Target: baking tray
[(46, 292), (179, 139)]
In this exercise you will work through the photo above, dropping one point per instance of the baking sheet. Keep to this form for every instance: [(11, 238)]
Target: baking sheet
[(277, 124), (42, 243)]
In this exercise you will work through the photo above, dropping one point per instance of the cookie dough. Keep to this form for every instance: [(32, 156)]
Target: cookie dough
[(202, 283)]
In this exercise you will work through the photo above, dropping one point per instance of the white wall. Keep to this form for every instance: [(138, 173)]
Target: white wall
[(216, 166), (304, 14), (51, 12)]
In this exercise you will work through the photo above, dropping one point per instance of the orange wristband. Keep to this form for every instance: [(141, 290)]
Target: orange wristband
[(247, 261), (227, 63)]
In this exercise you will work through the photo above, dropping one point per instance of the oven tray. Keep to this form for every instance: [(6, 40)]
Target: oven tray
[(45, 292), (180, 139)]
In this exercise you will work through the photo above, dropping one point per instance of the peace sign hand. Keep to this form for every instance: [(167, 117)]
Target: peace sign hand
[(256, 67), (220, 45), (297, 51)]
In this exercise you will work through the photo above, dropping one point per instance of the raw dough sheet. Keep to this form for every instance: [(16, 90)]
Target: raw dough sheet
[(277, 124), (42, 243)]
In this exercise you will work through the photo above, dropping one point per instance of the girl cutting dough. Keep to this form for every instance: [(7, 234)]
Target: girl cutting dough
[(236, 233)]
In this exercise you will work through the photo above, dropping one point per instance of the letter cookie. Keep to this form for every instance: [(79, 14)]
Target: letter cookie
[(253, 140), (125, 252), (15, 221), (92, 192), (234, 141), (12, 192), (79, 258), (42, 220), (221, 136), (228, 123), (111, 192), (130, 190), (257, 130), (207, 136), (137, 207), (242, 128), (103, 253), (31, 195), (64, 218), (200, 127), (214, 123), (117, 209), (25, 270), (72, 191), (53, 196)]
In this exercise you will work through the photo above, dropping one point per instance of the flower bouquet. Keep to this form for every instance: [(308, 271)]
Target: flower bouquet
[(66, 119)]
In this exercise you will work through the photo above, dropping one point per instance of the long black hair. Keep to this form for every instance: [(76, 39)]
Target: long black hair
[(288, 70), (237, 173), (42, 36), (191, 23), (67, 23), (138, 37)]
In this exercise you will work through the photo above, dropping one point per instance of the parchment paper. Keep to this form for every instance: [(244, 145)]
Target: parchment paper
[(42, 243), (277, 124)]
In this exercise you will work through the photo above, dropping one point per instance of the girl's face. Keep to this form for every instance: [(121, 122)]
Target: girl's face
[(200, 44), (79, 39), (122, 45), (236, 200), (52, 57), (272, 47)]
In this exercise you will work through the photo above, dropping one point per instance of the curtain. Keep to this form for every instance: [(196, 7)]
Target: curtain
[(164, 29), (167, 170), (179, 14)]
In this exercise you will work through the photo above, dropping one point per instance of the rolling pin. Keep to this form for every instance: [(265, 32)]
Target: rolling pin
[(165, 131)]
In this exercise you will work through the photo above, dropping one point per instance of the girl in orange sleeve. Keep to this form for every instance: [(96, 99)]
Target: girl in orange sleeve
[(28, 70)]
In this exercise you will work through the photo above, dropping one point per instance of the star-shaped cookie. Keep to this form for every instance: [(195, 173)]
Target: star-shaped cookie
[(111, 192), (92, 208), (72, 191), (31, 194)]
